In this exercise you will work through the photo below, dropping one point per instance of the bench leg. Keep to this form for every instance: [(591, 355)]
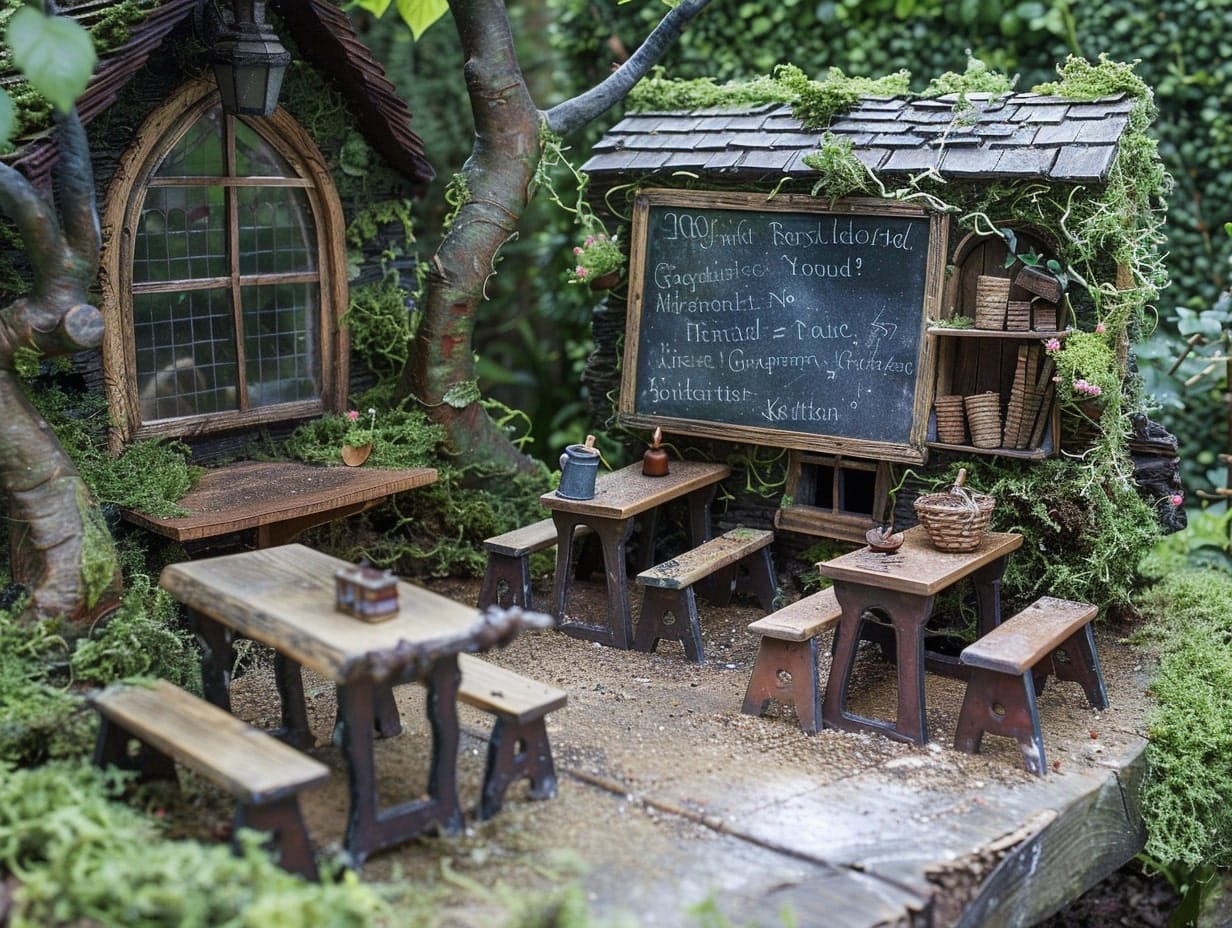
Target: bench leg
[(670, 614), (506, 582), (517, 752), (289, 680), (1003, 704), (1077, 661), (786, 671), (112, 749), (756, 578), (281, 818)]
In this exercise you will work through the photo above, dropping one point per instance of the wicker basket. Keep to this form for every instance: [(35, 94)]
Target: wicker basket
[(956, 520)]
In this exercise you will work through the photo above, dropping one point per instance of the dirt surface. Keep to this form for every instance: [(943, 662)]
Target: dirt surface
[(671, 802)]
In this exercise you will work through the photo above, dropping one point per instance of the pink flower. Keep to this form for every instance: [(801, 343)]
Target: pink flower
[(1090, 389), (577, 249), (1178, 499), (353, 415), (1099, 328), (579, 271), (1053, 344)]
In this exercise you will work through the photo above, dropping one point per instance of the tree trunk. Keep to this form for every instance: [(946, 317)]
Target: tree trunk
[(60, 546), (493, 190)]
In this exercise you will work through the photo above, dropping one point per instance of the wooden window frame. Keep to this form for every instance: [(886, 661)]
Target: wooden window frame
[(133, 176), (833, 521)]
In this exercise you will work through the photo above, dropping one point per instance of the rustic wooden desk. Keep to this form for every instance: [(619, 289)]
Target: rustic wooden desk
[(620, 497), (900, 588), (284, 597), (279, 499)]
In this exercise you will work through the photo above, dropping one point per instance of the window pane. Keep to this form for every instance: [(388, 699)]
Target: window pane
[(276, 231), (199, 152), (254, 157), (181, 235), (280, 343), (185, 345)]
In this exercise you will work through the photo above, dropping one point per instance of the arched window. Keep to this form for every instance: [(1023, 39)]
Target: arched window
[(223, 274)]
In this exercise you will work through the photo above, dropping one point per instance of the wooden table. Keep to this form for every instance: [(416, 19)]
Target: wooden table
[(620, 497), (900, 588), (284, 597), (279, 499)]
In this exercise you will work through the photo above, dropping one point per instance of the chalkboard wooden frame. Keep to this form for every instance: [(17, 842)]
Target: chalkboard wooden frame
[(749, 222)]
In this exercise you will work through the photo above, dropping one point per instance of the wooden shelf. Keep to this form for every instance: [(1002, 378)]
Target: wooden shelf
[(1024, 454), (1029, 335)]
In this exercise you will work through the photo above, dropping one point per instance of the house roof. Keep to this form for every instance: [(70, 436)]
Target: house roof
[(325, 38), (1015, 136)]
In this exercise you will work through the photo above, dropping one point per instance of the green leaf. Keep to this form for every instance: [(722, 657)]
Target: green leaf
[(8, 118), (54, 53), (376, 7), (420, 14)]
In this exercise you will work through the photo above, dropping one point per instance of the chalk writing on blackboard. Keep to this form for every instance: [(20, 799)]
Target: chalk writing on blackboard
[(781, 321)]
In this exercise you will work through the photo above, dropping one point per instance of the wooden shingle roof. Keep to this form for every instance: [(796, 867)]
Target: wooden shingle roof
[(326, 40), (1014, 136)]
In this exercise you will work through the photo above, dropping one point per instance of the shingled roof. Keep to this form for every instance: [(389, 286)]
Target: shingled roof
[(1014, 136), (326, 39)]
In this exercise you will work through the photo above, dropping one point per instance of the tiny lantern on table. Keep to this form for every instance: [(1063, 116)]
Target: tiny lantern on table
[(366, 593)]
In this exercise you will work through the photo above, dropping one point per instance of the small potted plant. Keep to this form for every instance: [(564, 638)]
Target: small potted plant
[(357, 442), (598, 261)]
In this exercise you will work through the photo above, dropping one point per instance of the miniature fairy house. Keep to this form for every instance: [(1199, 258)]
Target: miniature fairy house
[(843, 291), (224, 270)]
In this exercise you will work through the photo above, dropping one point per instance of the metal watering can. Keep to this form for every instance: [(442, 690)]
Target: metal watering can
[(579, 466)]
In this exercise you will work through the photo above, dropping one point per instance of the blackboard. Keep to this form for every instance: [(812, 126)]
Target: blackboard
[(780, 320)]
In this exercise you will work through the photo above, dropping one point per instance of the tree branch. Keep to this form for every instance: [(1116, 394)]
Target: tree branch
[(576, 112)]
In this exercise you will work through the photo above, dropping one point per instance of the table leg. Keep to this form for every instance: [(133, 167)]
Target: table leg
[(987, 584), (217, 657), (909, 615), (369, 828), (613, 537), (699, 530), (290, 682)]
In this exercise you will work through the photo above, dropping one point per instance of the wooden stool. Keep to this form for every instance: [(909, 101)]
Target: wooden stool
[(264, 774), (786, 664), (506, 582), (669, 605), (1010, 665), (518, 747)]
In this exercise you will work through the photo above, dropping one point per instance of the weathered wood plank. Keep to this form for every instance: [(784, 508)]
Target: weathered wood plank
[(687, 568), (256, 494), (1018, 643), (226, 750), (503, 692), (801, 620)]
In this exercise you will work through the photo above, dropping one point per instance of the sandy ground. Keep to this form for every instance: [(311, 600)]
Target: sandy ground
[(658, 768)]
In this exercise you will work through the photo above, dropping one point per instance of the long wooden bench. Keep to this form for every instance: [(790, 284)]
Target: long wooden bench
[(1010, 665), (785, 669), (518, 747), (508, 570), (669, 603), (263, 774)]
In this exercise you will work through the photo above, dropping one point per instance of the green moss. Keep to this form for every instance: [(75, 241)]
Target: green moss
[(86, 858), (99, 567), (817, 102), (977, 78), (1190, 752), (380, 325), (656, 91), (842, 173)]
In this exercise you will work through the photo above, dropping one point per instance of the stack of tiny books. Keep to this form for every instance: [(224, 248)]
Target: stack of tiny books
[(1031, 398)]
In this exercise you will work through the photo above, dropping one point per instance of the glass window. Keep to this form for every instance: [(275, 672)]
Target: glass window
[(227, 289)]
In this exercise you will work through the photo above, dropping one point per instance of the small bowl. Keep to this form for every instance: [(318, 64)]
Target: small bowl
[(882, 543)]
